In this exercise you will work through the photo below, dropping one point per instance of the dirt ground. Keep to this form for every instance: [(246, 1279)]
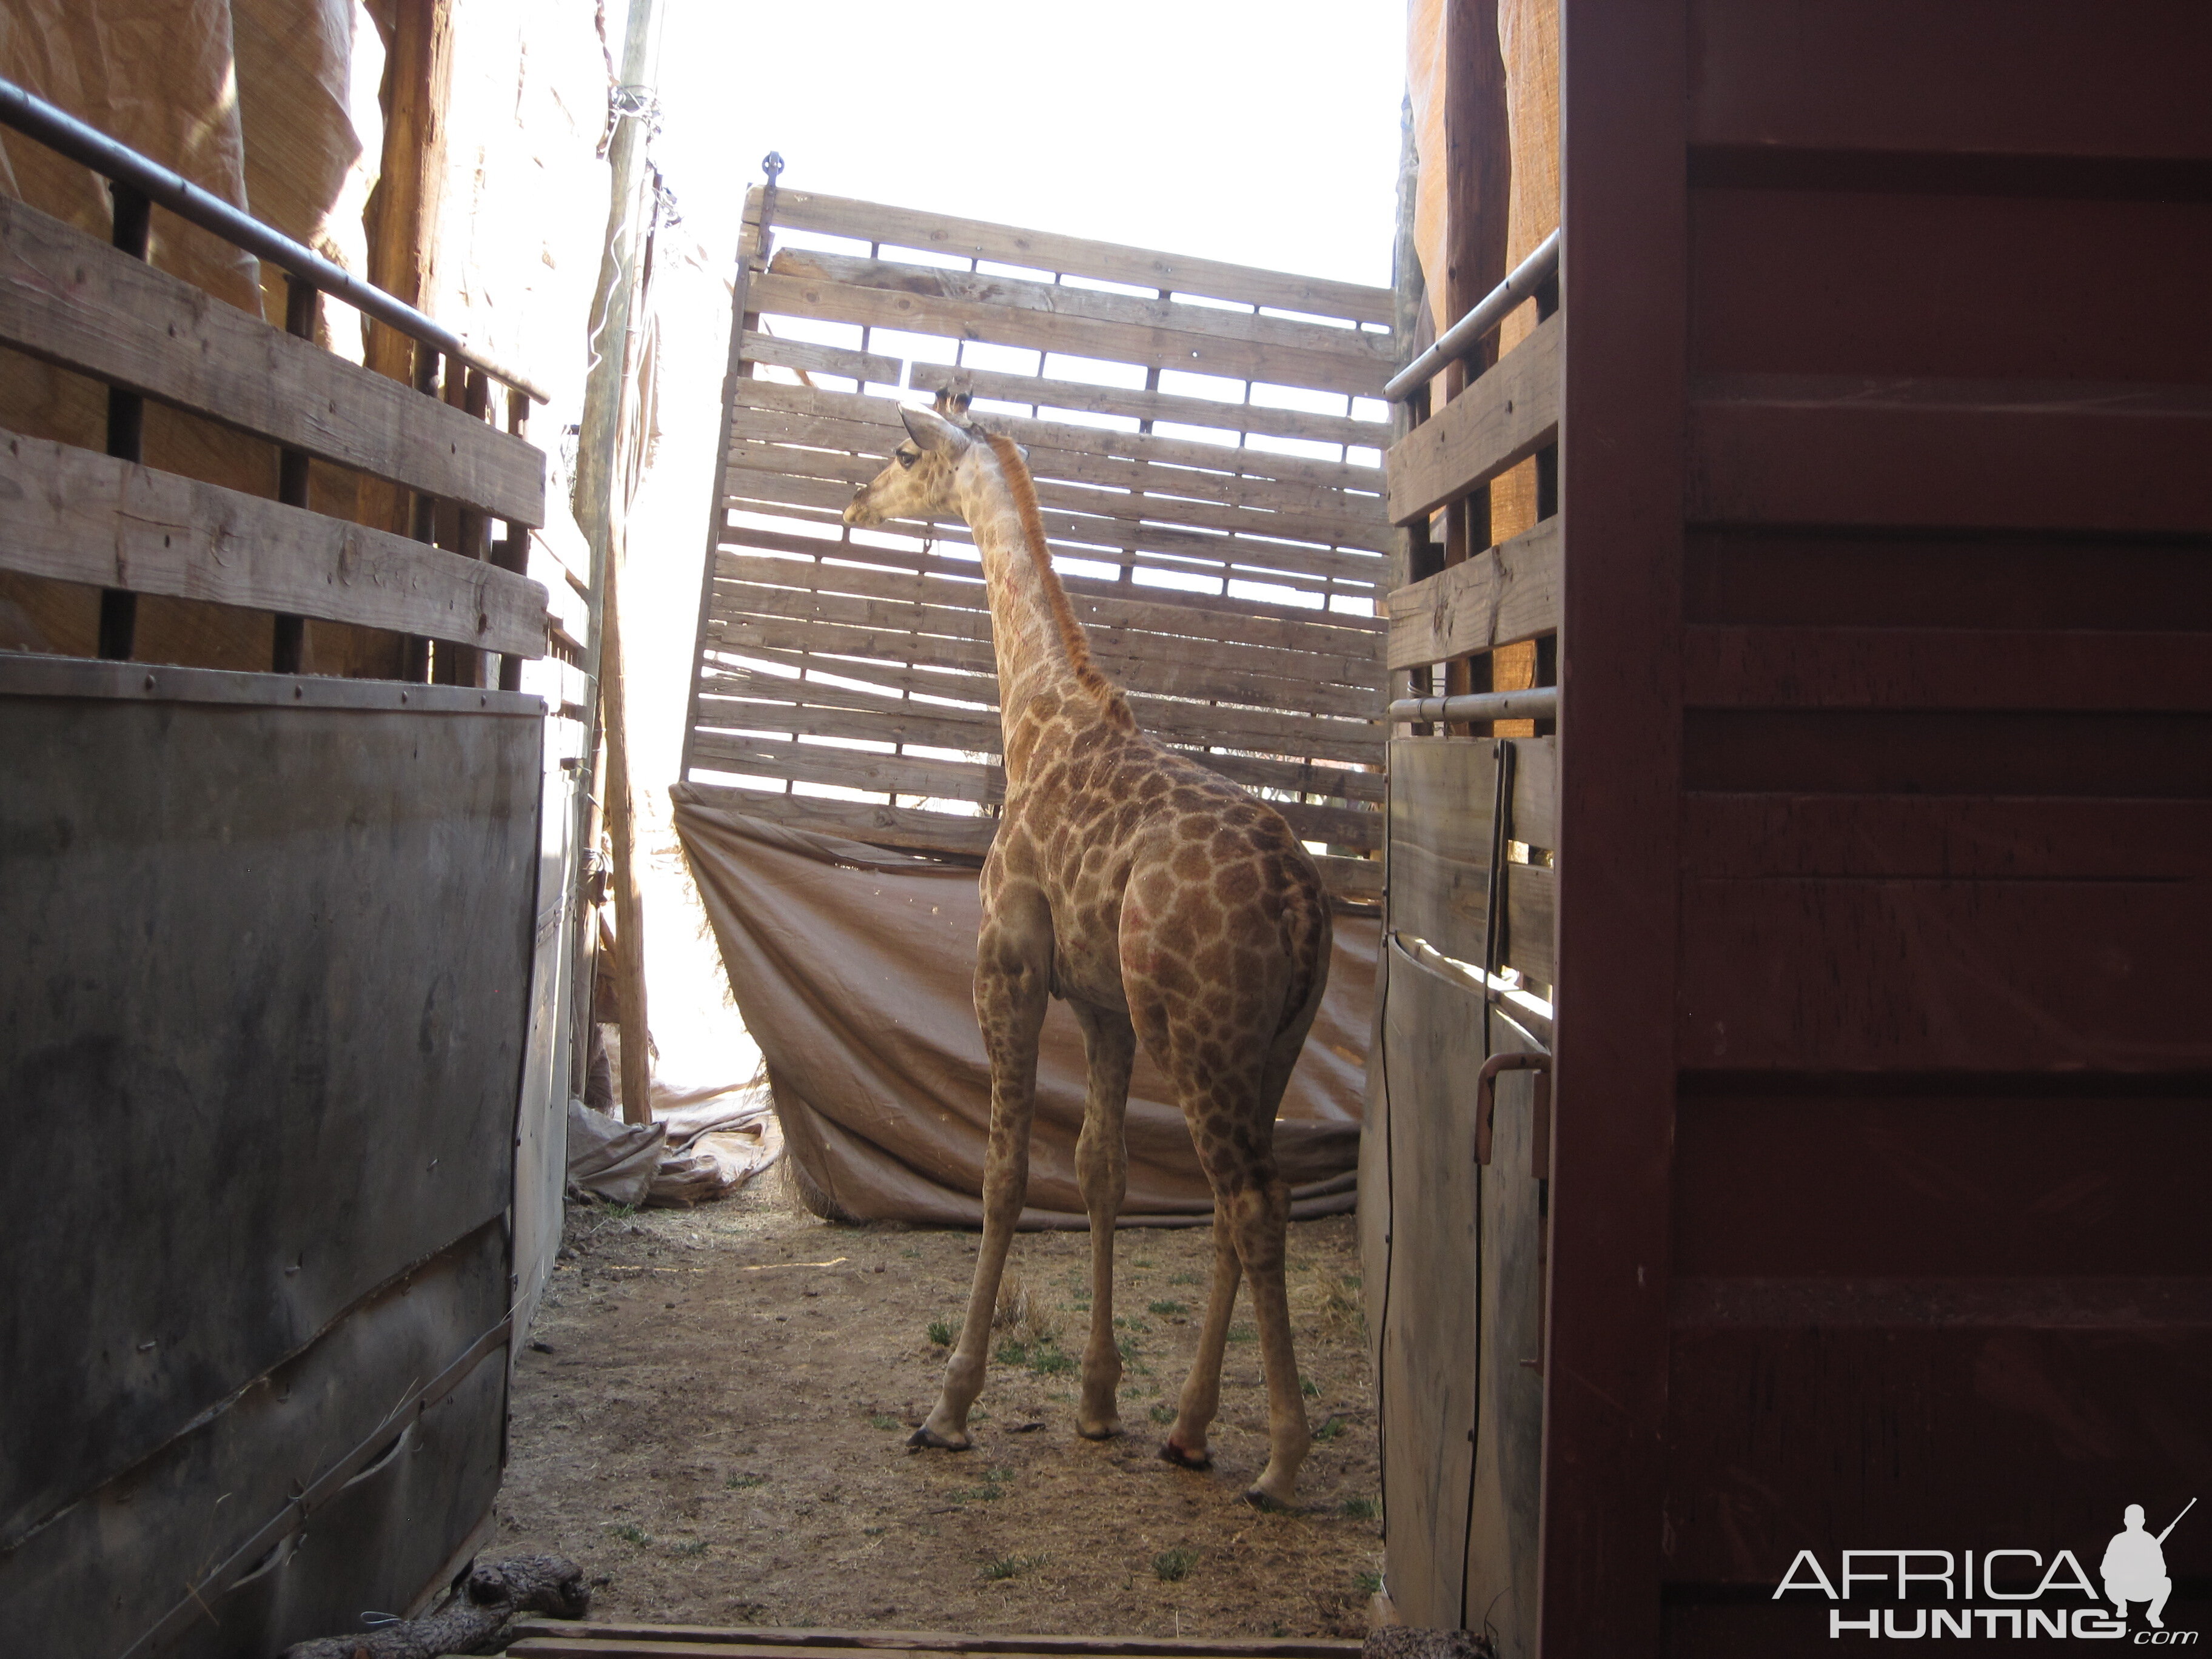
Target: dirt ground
[(712, 1414)]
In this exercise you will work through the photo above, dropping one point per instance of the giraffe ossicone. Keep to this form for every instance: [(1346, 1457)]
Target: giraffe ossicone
[(1162, 902)]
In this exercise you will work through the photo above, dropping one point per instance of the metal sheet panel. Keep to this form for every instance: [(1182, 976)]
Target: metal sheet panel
[(261, 1026)]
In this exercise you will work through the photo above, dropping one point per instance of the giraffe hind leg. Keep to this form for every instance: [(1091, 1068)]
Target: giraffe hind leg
[(1201, 1388), (1102, 1165)]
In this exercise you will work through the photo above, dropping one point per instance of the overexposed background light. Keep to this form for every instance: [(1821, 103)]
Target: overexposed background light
[(1262, 133)]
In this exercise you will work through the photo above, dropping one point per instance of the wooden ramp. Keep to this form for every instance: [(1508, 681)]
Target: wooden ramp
[(549, 1639)]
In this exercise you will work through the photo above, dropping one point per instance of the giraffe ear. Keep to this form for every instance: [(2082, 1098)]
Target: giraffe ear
[(952, 401), (932, 432)]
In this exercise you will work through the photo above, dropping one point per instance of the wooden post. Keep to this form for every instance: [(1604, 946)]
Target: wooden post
[(607, 387)]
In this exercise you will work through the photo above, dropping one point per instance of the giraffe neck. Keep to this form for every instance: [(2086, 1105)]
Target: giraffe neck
[(1040, 646)]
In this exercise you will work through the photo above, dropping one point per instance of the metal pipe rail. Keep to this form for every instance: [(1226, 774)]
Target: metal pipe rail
[(1538, 703), (58, 129), (1455, 341)]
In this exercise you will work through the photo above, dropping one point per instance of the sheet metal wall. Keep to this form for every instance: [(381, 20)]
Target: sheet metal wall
[(262, 1024), (1210, 483), (1886, 810)]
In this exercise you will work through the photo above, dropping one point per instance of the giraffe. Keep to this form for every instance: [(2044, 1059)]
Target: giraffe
[(1161, 902)]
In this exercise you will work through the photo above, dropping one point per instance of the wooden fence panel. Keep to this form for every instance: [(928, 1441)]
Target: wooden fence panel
[(1225, 554)]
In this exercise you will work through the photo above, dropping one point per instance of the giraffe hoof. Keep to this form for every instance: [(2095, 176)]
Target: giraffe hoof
[(1108, 1430), (925, 1438), (1171, 1452), (1267, 1505)]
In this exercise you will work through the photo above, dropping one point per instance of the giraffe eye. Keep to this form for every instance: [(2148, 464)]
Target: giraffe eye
[(907, 458)]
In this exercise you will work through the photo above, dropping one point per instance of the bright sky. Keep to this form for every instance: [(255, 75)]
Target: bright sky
[(1262, 133)]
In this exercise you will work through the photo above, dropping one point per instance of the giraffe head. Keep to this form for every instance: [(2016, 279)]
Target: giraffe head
[(918, 483)]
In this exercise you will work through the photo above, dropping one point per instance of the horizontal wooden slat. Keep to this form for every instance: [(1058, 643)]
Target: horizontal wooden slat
[(951, 779), (1181, 409), (1358, 370), (1098, 605), (1087, 535), (1505, 416), (853, 424), (1203, 673), (865, 366), (1944, 668), (1945, 838), (1949, 455), (75, 516), (1034, 250), (1107, 490), (1509, 593), (822, 711), (1173, 720), (75, 302)]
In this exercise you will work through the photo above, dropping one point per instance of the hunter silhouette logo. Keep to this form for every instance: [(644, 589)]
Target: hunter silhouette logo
[(2133, 1571)]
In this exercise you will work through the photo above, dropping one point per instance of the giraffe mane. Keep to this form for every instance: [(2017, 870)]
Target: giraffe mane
[(1072, 636)]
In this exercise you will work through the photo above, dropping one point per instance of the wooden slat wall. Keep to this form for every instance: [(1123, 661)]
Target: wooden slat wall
[(1232, 553)]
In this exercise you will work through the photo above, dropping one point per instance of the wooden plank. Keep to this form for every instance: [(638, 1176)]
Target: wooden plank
[(1503, 418), (1112, 645), (1860, 975), (1531, 920), (1173, 720), (75, 302), (1431, 1038), (1248, 1647), (1199, 501), (809, 357), (1534, 813), (1358, 371), (868, 425), (1794, 450), (78, 517), (1443, 798), (1509, 593), (854, 561), (908, 829), (1107, 610), (1081, 535), (1177, 407), (828, 712), (852, 453), (1944, 668), (1036, 250)]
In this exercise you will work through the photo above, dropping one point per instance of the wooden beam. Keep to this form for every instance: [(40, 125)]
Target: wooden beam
[(1509, 592), (77, 516), (808, 357), (1175, 407), (972, 310), (975, 238), (1507, 416), (82, 305)]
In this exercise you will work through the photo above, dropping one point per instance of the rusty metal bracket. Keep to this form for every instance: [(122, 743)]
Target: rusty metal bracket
[(1485, 1108)]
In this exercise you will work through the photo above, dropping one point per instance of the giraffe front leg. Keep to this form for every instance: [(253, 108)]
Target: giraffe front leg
[(1012, 985), (1201, 1390), (1101, 1165)]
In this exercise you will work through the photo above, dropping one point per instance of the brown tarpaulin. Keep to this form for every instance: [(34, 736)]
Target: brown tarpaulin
[(853, 968)]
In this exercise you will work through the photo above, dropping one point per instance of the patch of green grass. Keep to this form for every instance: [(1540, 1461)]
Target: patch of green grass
[(1050, 1360), (622, 1212), (872, 1532), (1122, 1322), (1127, 1347), (1185, 1279), (1310, 1388), (1329, 1428), (1243, 1333), (1369, 1582), (691, 1546), (1144, 1261), (940, 1332), (1165, 1309), (1010, 1353), (882, 1420), (1360, 1509), (912, 1253), (1163, 1413), (1012, 1566), (1173, 1567), (739, 1482), (631, 1532)]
